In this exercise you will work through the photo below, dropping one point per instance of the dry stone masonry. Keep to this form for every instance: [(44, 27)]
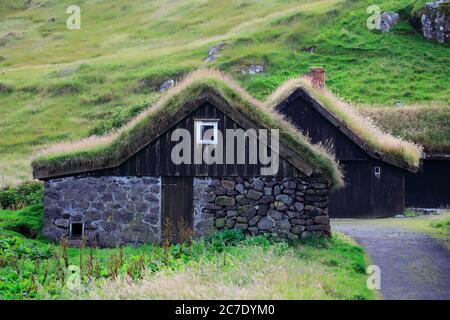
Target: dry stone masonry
[(116, 210), (112, 209), (287, 207)]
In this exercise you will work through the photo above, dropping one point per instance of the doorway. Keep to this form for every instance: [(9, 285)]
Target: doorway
[(177, 205)]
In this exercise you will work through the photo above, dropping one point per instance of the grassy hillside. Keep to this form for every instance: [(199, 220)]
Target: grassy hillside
[(55, 83)]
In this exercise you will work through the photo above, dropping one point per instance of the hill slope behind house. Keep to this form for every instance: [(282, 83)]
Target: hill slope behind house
[(429, 126), (55, 83)]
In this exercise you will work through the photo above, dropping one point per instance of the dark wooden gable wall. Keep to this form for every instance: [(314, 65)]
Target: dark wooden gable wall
[(364, 195), (155, 158), (429, 188), (307, 119)]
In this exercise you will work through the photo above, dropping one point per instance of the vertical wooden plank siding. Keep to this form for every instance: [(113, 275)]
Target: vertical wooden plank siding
[(155, 158)]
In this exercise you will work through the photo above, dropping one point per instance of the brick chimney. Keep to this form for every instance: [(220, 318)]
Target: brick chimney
[(318, 77)]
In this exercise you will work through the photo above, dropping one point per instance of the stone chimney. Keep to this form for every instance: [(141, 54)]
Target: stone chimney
[(318, 77)]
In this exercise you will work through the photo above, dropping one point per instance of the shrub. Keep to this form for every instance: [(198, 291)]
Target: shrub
[(227, 237), (27, 222), (21, 196), (441, 223), (18, 248)]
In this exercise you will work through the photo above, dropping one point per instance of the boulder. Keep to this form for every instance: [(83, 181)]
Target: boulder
[(433, 21), (213, 51), (166, 85), (388, 20)]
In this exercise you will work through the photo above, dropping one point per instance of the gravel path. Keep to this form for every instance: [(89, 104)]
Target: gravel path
[(413, 265)]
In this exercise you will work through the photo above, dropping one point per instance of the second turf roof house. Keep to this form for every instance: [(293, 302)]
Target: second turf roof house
[(374, 163), (429, 126)]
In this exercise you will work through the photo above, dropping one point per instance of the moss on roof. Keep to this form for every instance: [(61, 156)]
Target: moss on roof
[(426, 125), (98, 152), (390, 148)]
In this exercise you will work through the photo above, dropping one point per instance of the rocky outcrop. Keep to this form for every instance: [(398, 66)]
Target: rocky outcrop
[(286, 207), (166, 85), (213, 51), (433, 21), (253, 69), (388, 20)]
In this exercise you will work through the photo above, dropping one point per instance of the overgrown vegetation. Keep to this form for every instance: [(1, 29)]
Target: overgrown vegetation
[(122, 58), (442, 224), (27, 222), (228, 265), (21, 196)]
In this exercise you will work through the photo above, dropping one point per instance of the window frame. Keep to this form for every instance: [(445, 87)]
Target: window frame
[(377, 171), (198, 132)]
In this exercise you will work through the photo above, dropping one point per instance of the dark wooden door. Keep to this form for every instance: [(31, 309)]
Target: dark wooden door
[(177, 205), (355, 199)]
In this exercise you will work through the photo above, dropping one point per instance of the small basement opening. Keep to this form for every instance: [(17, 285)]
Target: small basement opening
[(76, 230)]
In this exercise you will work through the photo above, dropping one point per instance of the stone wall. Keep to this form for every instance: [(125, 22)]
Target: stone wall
[(113, 209), (128, 209), (287, 207)]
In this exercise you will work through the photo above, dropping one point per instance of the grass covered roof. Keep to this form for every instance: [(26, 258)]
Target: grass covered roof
[(107, 151), (383, 145)]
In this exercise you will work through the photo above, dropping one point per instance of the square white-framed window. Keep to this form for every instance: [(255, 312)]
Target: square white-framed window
[(206, 132)]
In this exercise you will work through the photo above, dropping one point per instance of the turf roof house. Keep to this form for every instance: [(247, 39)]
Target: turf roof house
[(374, 174), (127, 188), (429, 187), (429, 126)]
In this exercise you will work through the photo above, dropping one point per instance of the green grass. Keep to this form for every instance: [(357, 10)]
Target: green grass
[(434, 225), (255, 267), (27, 221), (124, 50)]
